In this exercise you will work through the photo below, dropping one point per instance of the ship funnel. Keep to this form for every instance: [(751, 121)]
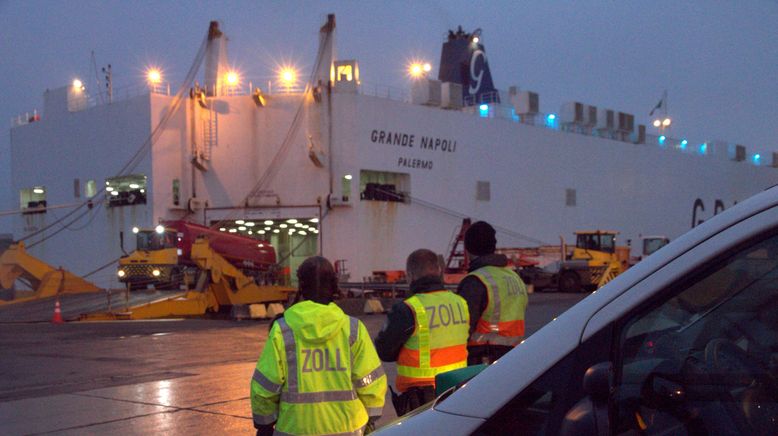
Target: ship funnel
[(463, 61), (216, 64)]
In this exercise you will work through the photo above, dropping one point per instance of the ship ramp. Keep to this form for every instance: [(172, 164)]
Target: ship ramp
[(75, 306), (44, 280)]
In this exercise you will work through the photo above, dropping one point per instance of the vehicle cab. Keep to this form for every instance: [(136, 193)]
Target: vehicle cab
[(685, 342)]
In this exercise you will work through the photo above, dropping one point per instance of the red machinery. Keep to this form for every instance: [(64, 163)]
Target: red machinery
[(163, 255)]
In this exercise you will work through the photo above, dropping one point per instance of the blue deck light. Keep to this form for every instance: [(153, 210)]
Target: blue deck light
[(550, 120), (483, 110), (662, 139), (704, 148), (757, 157)]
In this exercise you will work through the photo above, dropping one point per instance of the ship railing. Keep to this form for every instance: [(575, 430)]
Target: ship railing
[(26, 118), (492, 106), (384, 91), (125, 93)]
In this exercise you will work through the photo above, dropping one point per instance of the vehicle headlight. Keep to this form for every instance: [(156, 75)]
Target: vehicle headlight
[(156, 273), (121, 273)]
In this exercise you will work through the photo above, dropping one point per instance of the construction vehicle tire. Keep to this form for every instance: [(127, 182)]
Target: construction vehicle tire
[(569, 281)]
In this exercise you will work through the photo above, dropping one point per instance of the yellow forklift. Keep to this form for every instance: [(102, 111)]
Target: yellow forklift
[(595, 260)]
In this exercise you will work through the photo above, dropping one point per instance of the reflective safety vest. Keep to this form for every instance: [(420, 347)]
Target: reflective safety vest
[(439, 340), (502, 323), (318, 386)]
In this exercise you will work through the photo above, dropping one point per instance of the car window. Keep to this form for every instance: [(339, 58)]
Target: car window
[(704, 359), (540, 408)]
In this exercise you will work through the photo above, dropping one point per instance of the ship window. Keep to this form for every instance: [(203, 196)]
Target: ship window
[(126, 190), (483, 191), (570, 197), (346, 187), (384, 186), (345, 73), (33, 200), (176, 192), (77, 188), (90, 189)]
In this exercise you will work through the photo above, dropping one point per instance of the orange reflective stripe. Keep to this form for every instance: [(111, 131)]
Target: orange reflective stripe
[(408, 357), (512, 328), (404, 383), (484, 326), (439, 356), (448, 355)]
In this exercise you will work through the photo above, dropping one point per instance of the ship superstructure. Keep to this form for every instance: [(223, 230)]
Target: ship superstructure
[(360, 174)]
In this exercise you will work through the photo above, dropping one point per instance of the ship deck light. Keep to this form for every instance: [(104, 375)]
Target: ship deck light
[(233, 78), (153, 76), (662, 139), (419, 69), (160, 229)]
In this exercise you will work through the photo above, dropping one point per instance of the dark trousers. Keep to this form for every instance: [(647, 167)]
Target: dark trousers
[(478, 354), (412, 399)]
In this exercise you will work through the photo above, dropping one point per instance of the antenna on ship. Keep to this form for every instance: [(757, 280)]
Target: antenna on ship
[(663, 122), (108, 82), (97, 78)]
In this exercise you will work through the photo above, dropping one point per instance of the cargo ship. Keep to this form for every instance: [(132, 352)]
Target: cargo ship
[(360, 174)]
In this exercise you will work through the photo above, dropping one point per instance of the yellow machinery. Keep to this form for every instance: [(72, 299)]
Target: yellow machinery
[(596, 260), (219, 284), (44, 280)]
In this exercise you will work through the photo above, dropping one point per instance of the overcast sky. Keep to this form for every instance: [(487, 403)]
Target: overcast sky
[(718, 60)]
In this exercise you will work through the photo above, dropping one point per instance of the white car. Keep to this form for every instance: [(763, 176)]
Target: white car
[(685, 342)]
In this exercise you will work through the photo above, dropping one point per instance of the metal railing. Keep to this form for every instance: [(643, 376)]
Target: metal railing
[(384, 91)]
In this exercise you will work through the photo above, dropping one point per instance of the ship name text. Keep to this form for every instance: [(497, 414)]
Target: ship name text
[(401, 139)]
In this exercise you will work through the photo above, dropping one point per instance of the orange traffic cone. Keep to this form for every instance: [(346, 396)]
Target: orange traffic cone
[(57, 318)]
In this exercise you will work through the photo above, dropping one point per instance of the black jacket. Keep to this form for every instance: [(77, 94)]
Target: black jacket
[(400, 321), (474, 291)]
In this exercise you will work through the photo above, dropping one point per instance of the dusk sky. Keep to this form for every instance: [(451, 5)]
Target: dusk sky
[(718, 60)]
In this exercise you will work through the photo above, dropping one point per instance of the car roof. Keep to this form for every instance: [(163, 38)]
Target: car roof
[(485, 394)]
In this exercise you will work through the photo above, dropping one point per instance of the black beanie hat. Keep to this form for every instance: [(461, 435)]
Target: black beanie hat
[(480, 239)]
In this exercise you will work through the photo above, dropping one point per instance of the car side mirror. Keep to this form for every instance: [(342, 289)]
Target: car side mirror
[(660, 390), (590, 415)]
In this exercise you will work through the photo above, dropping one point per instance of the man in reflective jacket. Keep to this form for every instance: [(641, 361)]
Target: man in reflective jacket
[(426, 334), (495, 295), (319, 372)]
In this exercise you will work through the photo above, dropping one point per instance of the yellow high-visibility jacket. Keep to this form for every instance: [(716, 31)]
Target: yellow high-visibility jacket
[(318, 374), (439, 340), (502, 323)]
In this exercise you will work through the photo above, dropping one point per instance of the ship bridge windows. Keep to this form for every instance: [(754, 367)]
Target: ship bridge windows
[(384, 186), (33, 200), (126, 190)]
